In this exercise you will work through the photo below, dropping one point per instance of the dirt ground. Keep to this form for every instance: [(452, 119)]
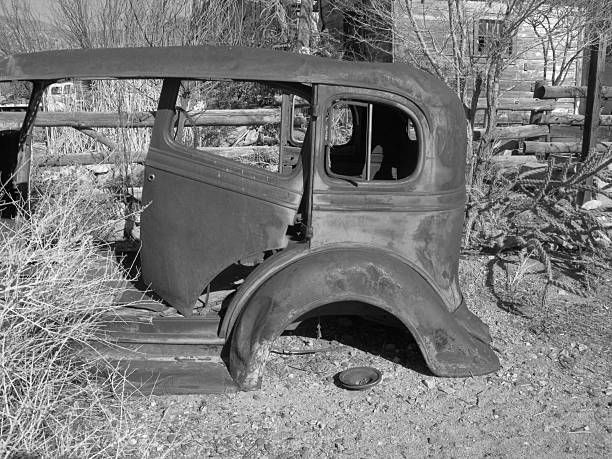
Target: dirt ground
[(552, 396)]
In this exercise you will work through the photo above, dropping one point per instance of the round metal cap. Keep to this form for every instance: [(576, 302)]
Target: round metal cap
[(359, 378)]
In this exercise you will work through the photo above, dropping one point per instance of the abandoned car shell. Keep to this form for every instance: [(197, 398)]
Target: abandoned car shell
[(378, 241)]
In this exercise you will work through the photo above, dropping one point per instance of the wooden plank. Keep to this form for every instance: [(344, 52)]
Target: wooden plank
[(515, 132), (559, 147), (246, 117), (516, 160), (576, 92), (88, 159), (568, 119), (521, 104)]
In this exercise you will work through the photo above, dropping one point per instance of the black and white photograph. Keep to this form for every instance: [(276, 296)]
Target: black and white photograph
[(303, 229)]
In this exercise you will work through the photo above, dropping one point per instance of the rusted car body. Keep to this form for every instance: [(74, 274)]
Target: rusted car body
[(367, 224)]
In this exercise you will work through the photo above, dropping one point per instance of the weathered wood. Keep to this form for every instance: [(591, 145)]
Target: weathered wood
[(516, 160), (559, 147), (88, 159), (520, 104), (592, 120), (246, 117), (515, 132), (569, 119), (98, 137), (559, 92), (24, 149)]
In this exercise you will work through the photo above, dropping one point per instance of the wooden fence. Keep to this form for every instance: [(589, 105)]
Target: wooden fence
[(544, 133)]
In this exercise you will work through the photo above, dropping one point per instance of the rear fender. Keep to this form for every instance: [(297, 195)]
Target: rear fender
[(367, 275)]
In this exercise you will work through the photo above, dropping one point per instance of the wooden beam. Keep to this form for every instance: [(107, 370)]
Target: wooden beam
[(569, 119), (592, 120), (559, 147), (98, 137), (576, 92), (246, 117), (520, 104), (515, 132), (88, 159)]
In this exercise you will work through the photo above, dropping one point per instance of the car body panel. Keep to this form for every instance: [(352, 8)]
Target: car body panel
[(372, 276)]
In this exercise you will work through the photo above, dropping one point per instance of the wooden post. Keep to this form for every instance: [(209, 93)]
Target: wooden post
[(536, 88), (306, 26), (593, 105), (24, 150)]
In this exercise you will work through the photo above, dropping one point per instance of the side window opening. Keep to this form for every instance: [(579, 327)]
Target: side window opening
[(300, 119), (246, 122), (370, 141)]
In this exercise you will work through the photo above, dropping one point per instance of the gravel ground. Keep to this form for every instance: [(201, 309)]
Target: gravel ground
[(551, 398)]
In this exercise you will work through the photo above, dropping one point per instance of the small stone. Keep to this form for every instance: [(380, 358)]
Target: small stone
[(260, 442), (592, 204), (256, 397), (132, 441), (446, 390), (429, 383), (98, 169)]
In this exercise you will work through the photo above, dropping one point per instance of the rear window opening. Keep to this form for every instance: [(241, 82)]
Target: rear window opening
[(370, 141), (256, 125)]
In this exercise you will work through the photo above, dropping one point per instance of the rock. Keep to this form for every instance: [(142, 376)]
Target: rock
[(429, 383), (592, 204), (98, 169)]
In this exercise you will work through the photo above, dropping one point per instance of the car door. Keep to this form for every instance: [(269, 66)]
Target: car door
[(205, 210)]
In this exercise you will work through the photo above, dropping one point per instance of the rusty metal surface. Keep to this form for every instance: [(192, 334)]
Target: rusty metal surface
[(393, 245), (366, 274), (206, 212), (211, 62)]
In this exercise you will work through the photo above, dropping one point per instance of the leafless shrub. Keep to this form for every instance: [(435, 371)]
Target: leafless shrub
[(537, 213), (55, 288)]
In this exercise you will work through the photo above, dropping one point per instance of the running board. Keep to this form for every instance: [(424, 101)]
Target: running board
[(146, 329)]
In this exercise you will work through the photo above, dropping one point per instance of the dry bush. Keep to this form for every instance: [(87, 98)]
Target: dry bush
[(537, 213), (55, 289)]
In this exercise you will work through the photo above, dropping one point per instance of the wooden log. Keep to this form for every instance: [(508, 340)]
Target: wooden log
[(568, 119), (88, 159), (247, 117), (559, 147), (515, 132), (98, 137), (520, 104), (559, 92), (516, 160)]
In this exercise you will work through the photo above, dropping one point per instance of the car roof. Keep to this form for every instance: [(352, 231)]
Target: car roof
[(233, 63)]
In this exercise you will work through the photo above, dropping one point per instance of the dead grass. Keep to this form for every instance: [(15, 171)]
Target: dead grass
[(55, 288)]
